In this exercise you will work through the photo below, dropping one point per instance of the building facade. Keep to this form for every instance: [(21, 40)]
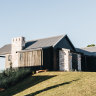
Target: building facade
[(54, 53)]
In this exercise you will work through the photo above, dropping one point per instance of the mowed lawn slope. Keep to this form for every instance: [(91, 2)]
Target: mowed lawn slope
[(55, 84)]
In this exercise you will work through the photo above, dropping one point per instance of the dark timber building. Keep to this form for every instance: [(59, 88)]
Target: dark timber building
[(54, 53)]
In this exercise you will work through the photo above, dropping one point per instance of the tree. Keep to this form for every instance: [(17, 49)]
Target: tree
[(92, 45)]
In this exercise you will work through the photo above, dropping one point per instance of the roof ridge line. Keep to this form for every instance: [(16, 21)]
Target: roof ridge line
[(45, 38)]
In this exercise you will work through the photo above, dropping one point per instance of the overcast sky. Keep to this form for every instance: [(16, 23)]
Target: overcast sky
[(35, 19)]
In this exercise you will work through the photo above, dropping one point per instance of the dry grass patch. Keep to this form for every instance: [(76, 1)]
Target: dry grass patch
[(55, 84)]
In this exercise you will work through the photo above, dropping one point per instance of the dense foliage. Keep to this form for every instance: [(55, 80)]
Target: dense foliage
[(92, 45), (11, 77)]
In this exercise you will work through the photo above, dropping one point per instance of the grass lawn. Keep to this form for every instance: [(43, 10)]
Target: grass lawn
[(55, 84)]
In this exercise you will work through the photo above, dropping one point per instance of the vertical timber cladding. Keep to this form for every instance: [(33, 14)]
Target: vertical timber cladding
[(76, 61), (83, 63), (29, 59), (56, 59), (48, 58), (91, 63)]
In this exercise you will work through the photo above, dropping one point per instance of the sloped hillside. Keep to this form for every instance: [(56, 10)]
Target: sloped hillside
[(55, 84)]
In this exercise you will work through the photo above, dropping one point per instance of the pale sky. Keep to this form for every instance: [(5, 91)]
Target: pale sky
[(35, 19)]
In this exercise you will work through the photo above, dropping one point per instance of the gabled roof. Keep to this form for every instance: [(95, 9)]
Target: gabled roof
[(43, 43), (90, 51), (34, 44), (5, 49)]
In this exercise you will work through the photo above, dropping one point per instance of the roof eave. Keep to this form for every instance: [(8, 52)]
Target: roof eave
[(29, 50)]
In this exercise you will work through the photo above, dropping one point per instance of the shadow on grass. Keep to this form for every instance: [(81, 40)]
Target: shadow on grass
[(25, 84), (48, 88)]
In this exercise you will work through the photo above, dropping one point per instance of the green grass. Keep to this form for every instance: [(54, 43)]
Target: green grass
[(55, 84)]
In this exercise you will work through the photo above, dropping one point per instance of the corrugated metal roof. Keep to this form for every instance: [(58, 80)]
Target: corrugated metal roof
[(90, 51), (42, 43), (34, 44)]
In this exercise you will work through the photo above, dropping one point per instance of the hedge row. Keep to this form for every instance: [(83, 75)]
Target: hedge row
[(12, 76)]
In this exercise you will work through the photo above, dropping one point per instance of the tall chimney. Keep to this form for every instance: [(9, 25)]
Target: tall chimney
[(18, 44)]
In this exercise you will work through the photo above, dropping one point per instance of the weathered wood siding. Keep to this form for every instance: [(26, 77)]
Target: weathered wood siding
[(74, 61), (33, 58), (55, 59), (89, 63), (48, 58)]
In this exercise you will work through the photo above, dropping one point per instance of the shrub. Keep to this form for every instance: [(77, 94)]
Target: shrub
[(12, 76)]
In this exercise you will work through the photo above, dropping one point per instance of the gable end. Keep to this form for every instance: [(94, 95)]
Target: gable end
[(65, 43)]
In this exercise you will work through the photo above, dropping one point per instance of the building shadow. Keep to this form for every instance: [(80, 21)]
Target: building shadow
[(51, 87), (25, 84)]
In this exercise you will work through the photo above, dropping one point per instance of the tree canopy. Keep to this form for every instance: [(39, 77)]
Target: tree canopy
[(92, 45)]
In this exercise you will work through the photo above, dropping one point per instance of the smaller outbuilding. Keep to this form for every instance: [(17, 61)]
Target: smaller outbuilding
[(88, 58)]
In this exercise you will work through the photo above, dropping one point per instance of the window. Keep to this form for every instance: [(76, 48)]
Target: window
[(9, 58)]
